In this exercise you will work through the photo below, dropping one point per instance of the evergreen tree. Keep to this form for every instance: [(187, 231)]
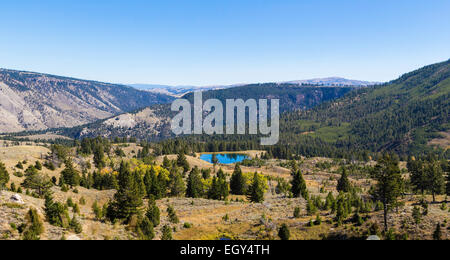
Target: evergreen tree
[(219, 188), (138, 180), (99, 156), (37, 181), (299, 185), (344, 183), (437, 235), (70, 175), (4, 176), (75, 225), (256, 190), (55, 212), (145, 229), (194, 184), (284, 232), (206, 174), (38, 166), (389, 185), (297, 212), (127, 199), (448, 184), (177, 186), (417, 215), (237, 182), (436, 180), (418, 177), (97, 211), (182, 162), (153, 212), (166, 233), (311, 209), (34, 227), (173, 218), (329, 201)]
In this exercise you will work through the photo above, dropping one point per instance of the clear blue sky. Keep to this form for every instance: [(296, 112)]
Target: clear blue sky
[(223, 42)]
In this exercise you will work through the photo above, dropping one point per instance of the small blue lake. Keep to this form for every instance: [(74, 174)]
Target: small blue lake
[(225, 158)]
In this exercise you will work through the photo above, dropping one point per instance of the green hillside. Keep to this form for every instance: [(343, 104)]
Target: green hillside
[(402, 115), (292, 96)]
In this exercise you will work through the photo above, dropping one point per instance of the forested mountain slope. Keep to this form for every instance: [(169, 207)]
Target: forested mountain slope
[(153, 123), (402, 115), (292, 96)]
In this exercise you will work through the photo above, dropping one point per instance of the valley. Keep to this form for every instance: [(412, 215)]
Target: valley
[(353, 162)]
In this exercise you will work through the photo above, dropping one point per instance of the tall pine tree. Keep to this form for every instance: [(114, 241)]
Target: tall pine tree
[(194, 184), (237, 182), (256, 190), (344, 183), (389, 185), (4, 176), (299, 188), (128, 199)]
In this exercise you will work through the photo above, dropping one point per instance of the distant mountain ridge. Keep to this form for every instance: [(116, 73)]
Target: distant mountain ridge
[(37, 101), (181, 90), (334, 81)]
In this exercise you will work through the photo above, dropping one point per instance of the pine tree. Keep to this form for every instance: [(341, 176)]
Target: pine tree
[(182, 162), (418, 177), (75, 225), (127, 199), (297, 212), (140, 184), (173, 218), (55, 212), (299, 185), (437, 235), (34, 227), (194, 184), (256, 190), (145, 229), (237, 182), (37, 181), (344, 183), (38, 166), (177, 186), (219, 189), (224, 187), (70, 175), (417, 215), (99, 156), (4, 176), (166, 233), (284, 232), (97, 211), (153, 212), (448, 184), (436, 180), (329, 201), (389, 185)]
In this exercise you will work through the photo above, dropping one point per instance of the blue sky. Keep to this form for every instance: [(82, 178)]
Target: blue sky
[(211, 42)]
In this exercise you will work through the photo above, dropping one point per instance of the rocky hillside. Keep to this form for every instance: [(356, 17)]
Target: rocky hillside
[(34, 101)]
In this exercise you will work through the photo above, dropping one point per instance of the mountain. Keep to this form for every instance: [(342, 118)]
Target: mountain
[(153, 123), (182, 90), (334, 81), (36, 101), (404, 115), (175, 91), (292, 96)]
